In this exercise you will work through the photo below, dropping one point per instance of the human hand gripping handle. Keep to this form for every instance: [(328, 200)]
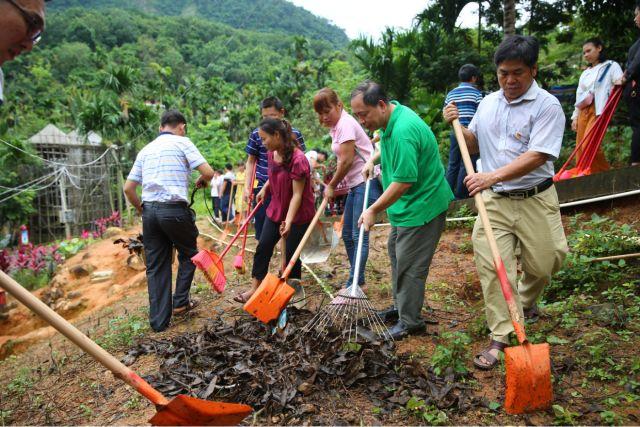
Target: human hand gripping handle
[(518, 322)]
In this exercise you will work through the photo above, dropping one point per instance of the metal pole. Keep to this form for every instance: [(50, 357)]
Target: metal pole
[(63, 200)]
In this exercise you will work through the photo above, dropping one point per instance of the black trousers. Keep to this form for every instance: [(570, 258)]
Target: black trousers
[(634, 117), (216, 206), (165, 226), (268, 239)]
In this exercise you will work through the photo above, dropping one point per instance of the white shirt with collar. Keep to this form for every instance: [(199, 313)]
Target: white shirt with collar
[(601, 90), (506, 130)]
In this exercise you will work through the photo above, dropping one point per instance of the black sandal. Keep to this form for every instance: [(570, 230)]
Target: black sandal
[(491, 360), (186, 308), (531, 315)]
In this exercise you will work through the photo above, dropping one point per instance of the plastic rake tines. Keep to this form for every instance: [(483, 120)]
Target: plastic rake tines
[(351, 312)]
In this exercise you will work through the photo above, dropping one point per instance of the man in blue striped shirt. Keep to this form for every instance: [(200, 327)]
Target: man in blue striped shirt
[(270, 107), (163, 168), (466, 97)]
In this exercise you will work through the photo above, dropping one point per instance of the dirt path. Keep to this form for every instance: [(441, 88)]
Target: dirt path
[(47, 381)]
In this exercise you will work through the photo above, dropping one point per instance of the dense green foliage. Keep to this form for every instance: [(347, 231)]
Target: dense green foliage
[(265, 15), (109, 69)]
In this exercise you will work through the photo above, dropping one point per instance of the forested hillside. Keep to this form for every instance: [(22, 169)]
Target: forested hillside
[(263, 16)]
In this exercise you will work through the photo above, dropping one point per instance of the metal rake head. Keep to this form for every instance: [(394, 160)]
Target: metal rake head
[(352, 313)]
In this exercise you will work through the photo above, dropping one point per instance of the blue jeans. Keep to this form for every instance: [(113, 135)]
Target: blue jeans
[(351, 232), (456, 171)]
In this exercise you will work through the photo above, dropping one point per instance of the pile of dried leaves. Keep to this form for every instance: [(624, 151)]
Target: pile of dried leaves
[(243, 362)]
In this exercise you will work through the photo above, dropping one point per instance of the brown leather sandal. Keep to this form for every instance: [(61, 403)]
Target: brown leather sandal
[(491, 361), (186, 308)]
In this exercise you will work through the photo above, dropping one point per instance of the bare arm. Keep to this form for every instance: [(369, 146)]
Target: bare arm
[(450, 113), (346, 156), (388, 198), (294, 206), (206, 175), (131, 194), (521, 166), (248, 184)]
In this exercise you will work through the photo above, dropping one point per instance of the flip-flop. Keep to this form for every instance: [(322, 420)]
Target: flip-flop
[(490, 358), (186, 308)]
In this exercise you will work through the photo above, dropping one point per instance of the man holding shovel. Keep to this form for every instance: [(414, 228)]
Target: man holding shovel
[(21, 26), (416, 197), (518, 132)]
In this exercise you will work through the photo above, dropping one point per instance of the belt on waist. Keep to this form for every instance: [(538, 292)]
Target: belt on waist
[(529, 192), (181, 204)]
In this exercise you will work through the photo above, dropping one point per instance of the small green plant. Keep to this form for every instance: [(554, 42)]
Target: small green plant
[(451, 354), (122, 331), (21, 383), (610, 418), (427, 413), (564, 417), (132, 403), (463, 212), (86, 411), (30, 279), (5, 417)]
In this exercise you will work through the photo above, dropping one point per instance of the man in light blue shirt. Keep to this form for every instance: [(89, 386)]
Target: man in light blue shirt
[(518, 132), (163, 168), (466, 97)]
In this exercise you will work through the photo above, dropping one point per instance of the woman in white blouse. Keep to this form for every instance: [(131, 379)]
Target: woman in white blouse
[(596, 83)]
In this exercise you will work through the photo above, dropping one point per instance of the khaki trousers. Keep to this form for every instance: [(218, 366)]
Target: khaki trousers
[(532, 224)]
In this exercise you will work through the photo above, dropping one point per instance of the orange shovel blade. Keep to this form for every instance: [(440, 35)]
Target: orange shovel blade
[(528, 378), (271, 297), (190, 411)]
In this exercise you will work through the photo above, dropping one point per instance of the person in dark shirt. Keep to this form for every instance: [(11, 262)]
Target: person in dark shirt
[(273, 108), (630, 79)]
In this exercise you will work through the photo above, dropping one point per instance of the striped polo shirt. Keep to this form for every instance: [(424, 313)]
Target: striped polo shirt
[(164, 166), (256, 148), (467, 98)]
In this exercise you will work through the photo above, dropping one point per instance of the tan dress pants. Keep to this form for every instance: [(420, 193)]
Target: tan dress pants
[(532, 224)]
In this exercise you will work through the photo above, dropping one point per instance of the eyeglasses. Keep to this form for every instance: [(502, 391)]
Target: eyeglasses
[(34, 26)]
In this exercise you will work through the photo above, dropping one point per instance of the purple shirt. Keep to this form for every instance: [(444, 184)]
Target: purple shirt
[(281, 188)]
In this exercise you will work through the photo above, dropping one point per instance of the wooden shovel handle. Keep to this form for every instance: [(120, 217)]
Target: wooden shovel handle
[(303, 242), (518, 322), (81, 340)]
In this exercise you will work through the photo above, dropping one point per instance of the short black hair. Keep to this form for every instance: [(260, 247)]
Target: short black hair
[(372, 93), (518, 48), (228, 166), (172, 118), (323, 152), (468, 72), (272, 101)]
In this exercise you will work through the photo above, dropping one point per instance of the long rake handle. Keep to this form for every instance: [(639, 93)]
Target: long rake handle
[(243, 227), (246, 229), (81, 340), (518, 323), (356, 271), (296, 254)]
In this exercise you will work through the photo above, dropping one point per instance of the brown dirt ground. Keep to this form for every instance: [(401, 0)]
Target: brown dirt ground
[(64, 386)]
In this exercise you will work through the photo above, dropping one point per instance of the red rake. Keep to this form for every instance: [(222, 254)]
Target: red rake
[(211, 264), (238, 261)]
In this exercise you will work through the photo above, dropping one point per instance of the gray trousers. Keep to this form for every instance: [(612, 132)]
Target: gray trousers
[(411, 250), (165, 226)]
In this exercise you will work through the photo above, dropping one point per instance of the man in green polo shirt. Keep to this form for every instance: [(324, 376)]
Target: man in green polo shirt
[(416, 197)]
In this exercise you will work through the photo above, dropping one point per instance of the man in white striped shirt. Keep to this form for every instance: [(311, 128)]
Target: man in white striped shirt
[(163, 168)]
